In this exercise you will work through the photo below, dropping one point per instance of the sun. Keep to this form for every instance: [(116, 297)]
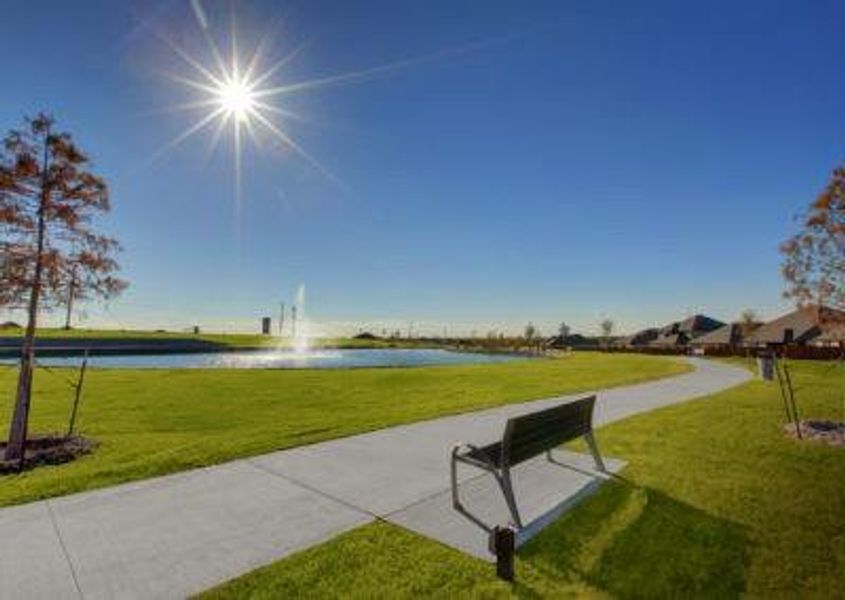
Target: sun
[(232, 93), (237, 98)]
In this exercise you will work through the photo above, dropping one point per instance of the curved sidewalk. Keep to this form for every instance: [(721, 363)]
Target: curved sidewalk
[(176, 535)]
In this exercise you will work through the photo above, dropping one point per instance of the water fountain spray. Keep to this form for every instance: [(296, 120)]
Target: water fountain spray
[(300, 324)]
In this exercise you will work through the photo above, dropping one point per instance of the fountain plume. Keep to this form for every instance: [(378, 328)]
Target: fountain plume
[(301, 343)]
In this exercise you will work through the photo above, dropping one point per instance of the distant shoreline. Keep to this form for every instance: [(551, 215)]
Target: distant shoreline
[(11, 347)]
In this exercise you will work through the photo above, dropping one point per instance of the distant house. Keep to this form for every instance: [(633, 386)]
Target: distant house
[(680, 333), (641, 338), (573, 340), (727, 336), (833, 336), (811, 325), (671, 340)]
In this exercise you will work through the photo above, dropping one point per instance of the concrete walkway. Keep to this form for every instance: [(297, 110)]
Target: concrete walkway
[(176, 535)]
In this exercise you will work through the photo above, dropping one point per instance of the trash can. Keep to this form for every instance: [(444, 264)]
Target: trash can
[(766, 367)]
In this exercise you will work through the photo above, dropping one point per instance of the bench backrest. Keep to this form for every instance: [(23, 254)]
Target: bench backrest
[(528, 435)]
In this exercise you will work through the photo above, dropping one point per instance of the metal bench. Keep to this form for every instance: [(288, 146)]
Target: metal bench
[(525, 437)]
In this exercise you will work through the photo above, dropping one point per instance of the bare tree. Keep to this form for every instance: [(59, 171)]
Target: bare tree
[(607, 326), (564, 330), (748, 321), (814, 258), (48, 200), (71, 295)]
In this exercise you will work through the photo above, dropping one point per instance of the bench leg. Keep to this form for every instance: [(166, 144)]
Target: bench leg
[(453, 467), (510, 499), (594, 449)]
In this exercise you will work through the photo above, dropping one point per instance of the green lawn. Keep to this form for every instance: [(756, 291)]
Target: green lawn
[(716, 502), (161, 421)]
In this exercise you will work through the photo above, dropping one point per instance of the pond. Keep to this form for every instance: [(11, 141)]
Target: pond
[(281, 359)]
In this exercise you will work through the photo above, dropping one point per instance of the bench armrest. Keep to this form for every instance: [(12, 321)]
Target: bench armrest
[(461, 452), (459, 446), (456, 455)]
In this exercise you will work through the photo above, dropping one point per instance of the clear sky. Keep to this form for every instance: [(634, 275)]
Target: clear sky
[(543, 161)]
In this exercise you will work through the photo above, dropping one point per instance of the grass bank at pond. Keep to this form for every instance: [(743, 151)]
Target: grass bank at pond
[(716, 501), (155, 422), (230, 340)]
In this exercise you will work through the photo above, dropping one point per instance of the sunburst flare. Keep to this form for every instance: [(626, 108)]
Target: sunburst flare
[(236, 95)]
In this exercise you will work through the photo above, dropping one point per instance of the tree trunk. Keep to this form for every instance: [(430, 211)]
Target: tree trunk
[(20, 418), (70, 297)]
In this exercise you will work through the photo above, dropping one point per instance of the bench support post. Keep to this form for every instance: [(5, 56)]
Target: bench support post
[(504, 543), (510, 499), (594, 450), (453, 468)]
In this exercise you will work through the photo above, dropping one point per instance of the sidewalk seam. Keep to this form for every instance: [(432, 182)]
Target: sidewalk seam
[(310, 488), (64, 548), (435, 494)]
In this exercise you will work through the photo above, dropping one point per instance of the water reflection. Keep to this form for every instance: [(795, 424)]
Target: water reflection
[(283, 359)]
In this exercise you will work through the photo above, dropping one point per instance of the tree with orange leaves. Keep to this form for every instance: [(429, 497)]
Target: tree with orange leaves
[(48, 203), (814, 259)]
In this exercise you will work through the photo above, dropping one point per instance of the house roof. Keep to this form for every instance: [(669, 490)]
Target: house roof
[(831, 334), (573, 339), (726, 335), (692, 326), (806, 324), (672, 339), (641, 337)]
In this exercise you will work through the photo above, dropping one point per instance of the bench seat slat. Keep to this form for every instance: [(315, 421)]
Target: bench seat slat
[(528, 435), (529, 446)]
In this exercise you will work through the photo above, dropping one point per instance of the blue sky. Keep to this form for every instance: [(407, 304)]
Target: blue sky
[(575, 160)]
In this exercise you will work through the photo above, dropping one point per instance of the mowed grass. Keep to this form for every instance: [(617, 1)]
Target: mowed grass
[(716, 502), (160, 421)]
